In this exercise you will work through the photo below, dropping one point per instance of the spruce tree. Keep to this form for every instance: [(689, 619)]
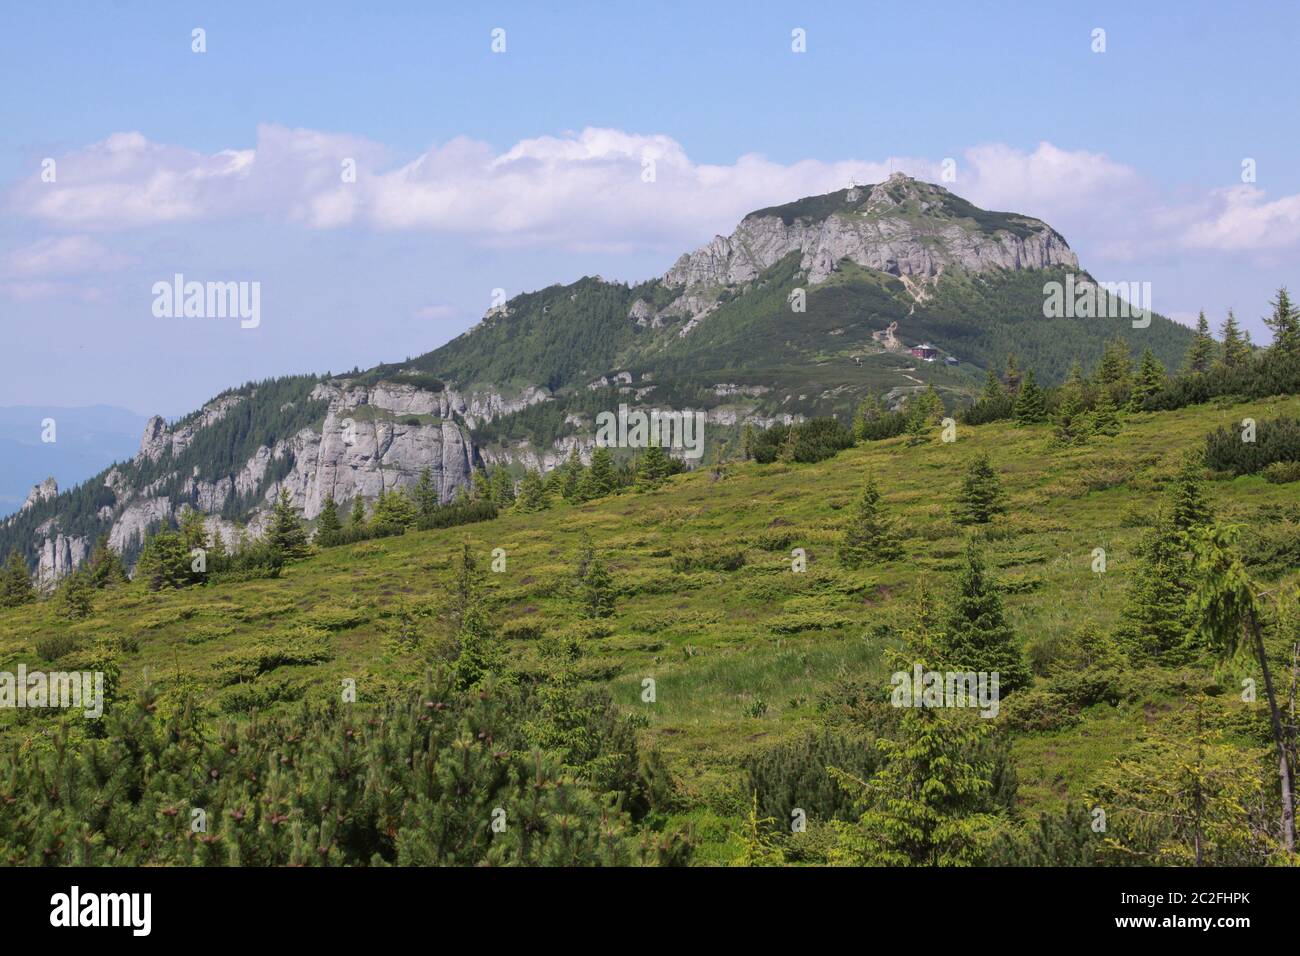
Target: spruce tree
[(503, 487), (286, 536), (597, 590), (1236, 344), (573, 472), (977, 636), (1031, 406), (870, 536), (1150, 379), (652, 469), (357, 518), (328, 528), (1200, 354), (927, 804), (1104, 419), (16, 581), (164, 562), (1285, 325), (105, 566), (533, 496), (600, 479), (466, 580), (394, 511), (76, 595), (477, 654), (1011, 375), (993, 388), (1114, 375), (981, 494), (1073, 424), (1155, 622), (425, 496), (1187, 505)]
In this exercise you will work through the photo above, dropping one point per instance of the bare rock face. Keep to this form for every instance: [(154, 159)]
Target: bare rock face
[(60, 555), (158, 438), (47, 489), (135, 519), (903, 227), (374, 440)]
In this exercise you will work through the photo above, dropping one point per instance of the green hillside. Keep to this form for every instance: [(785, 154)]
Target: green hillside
[(749, 657)]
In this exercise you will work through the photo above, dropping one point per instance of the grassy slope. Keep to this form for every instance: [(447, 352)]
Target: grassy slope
[(716, 642)]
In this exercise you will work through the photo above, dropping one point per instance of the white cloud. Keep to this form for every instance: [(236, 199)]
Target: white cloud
[(1241, 219), (61, 255), (587, 190)]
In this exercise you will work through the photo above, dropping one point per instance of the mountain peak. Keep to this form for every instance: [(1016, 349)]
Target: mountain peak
[(904, 227)]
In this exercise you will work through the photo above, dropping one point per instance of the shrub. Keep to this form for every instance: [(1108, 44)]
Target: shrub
[(54, 646)]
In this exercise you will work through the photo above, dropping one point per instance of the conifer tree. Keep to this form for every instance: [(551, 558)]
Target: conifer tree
[(977, 636), (748, 437), (1200, 354), (652, 469), (1236, 343), (600, 478), (1011, 375), (16, 581), (286, 536), (1149, 381), (993, 388), (926, 805), (424, 496), (573, 471), (870, 536), (394, 511), (76, 595), (1031, 406), (480, 486), (1115, 370), (1104, 418), (1155, 623), (466, 579), (1073, 424), (1074, 378), (477, 654), (503, 487), (597, 590), (1187, 505), (357, 518), (1285, 324), (981, 494), (105, 566), (533, 496), (328, 528), (869, 411), (193, 530), (164, 562)]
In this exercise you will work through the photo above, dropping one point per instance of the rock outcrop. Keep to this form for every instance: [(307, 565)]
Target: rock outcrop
[(902, 227), (47, 489)]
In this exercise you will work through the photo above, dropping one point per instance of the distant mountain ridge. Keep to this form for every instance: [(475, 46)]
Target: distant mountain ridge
[(804, 309)]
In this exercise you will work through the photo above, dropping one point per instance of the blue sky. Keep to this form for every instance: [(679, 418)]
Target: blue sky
[(482, 170)]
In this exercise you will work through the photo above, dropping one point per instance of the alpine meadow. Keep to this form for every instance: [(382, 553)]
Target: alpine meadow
[(883, 529)]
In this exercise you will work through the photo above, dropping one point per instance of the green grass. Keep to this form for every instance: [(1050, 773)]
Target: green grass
[(739, 658)]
